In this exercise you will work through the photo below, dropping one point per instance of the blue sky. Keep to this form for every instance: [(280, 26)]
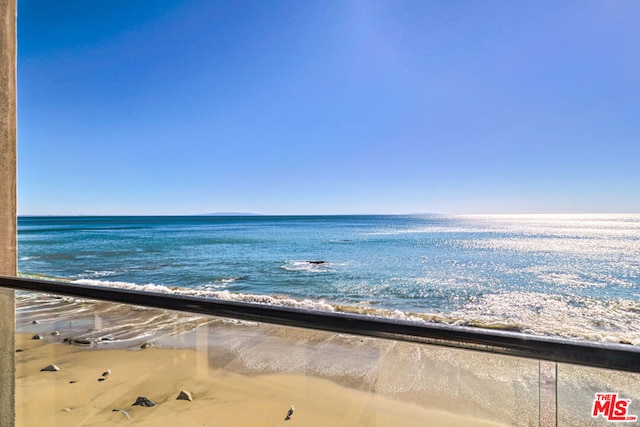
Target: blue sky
[(328, 107)]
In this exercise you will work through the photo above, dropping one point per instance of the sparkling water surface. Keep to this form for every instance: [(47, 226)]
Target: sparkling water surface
[(574, 276)]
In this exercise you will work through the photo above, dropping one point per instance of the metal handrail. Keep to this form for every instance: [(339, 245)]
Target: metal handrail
[(609, 356)]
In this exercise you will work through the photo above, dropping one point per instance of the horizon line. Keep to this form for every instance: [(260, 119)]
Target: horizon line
[(250, 214)]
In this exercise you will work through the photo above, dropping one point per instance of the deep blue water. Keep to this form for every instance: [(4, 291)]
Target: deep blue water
[(573, 276)]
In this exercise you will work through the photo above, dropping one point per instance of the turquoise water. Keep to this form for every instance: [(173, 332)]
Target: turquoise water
[(560, 275)]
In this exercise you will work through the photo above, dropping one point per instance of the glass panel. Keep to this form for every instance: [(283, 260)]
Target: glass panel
[(577, 390), (248, 374)]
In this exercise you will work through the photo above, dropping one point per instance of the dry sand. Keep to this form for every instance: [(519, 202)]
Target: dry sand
[(74, 396)]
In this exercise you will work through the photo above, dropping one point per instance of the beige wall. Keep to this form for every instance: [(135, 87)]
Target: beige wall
[(8, 249)]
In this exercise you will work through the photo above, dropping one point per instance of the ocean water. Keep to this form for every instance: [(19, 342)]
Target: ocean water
[(572, 276)]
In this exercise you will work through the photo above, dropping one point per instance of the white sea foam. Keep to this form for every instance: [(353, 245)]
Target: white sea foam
[(280, 301), (310, 266), (543, 314), (221, 284), (529, 312), (97, 273)]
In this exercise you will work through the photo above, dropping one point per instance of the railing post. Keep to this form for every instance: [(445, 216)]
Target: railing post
[(548, 389), (8, 212)]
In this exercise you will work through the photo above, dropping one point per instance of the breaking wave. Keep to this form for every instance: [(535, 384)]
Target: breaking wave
[(580, 318)]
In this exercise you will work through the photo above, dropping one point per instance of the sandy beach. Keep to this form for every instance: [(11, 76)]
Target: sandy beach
[(78, 394), (238, 373)]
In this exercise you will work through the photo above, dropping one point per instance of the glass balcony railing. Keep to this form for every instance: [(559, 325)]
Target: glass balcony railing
[(98, 356), (578, 386)]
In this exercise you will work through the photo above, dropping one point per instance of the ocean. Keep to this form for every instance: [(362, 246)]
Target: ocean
[(571, 276)]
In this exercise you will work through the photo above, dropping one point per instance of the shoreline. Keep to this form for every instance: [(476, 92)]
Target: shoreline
[(556, 316), (250, 373)]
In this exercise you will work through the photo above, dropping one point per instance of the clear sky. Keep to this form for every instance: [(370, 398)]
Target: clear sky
[(328, 107)]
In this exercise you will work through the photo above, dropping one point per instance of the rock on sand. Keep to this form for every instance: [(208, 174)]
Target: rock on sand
[(144, 401), (185, 395)]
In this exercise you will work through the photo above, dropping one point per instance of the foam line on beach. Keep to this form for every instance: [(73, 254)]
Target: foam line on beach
[(616, 321), (275, 300)]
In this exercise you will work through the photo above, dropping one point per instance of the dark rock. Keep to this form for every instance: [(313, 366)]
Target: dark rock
[(37, 337), (55, 333), (317, 262), (185, 395), (19, 350), (79, 341), (144, 401), (289, 414), (50, 368), (146, 345), (35, 322)]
